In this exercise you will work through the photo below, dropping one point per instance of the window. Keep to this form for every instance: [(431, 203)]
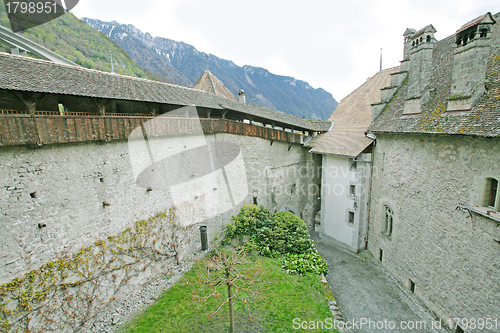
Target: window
[(490, 197), (352, 190), (483, 33), (351, 217), (411, 286), (388, 220), (428, 38), (353, 164)]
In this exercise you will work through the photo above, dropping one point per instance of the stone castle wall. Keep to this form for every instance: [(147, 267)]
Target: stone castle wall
[(451, 256), (59, 199)]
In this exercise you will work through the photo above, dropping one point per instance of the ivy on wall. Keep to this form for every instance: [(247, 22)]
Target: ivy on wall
[(73, 289)]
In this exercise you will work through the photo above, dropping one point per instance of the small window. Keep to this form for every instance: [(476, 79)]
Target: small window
[(483, 33), (352, 190), (353, 164), (411, 286), (380, 254), (490, 197), (351, 217), (388, 221), (428, 38)]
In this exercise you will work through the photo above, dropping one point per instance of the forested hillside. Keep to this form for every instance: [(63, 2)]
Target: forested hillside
[(80, 43)]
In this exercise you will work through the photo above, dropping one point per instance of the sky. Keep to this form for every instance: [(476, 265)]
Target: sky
[(335, 45)]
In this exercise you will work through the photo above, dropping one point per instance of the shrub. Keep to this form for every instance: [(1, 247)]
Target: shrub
[(272, 235), (305, 263), (249, 219), (286, 234)]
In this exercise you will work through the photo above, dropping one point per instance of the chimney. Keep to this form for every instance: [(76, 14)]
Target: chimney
[(472, 52), (407, 45), (241, 96), (421, 46)]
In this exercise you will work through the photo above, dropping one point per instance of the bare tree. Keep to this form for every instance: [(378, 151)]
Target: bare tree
[(226, 270)]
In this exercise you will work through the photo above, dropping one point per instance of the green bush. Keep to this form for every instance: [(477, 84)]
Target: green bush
[(305, 263), (250, 219), (286, 234), (272, 235)]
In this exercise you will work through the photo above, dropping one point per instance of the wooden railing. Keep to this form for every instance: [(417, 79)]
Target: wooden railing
[(43, 128)]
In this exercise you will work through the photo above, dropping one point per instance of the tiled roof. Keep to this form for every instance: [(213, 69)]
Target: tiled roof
[(322, 125), (476, 21), (351, 119), (34, 75), (211, 84), (430, 28), (484, 118)]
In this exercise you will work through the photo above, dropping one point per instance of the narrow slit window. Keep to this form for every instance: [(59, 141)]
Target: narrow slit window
[(490, 193), (412, 286), (388, 221), (493, 192)]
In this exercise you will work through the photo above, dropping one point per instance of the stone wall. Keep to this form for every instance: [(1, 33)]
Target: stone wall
[(59, 199), (449, 254)]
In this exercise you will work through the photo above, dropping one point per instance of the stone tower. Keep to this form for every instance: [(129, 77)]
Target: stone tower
[(420, 68)]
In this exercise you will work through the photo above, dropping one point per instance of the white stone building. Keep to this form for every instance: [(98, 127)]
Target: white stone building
[(346, 165)]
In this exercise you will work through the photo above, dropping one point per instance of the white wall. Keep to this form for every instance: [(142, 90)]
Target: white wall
[(337, 201)]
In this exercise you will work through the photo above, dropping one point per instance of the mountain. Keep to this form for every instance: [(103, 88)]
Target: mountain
[(183, 64), (77, 41)]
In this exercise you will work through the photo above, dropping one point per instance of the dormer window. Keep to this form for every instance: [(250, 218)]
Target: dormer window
[(428, 38), (479, 26)]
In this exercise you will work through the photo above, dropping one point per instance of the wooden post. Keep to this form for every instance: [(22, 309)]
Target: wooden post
[(100, 104), (30, 100), (154, 108)]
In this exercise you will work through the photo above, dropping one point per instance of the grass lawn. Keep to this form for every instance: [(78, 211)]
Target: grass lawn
[(292, 296)]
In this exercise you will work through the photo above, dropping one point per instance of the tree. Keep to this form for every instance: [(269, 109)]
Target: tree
[(226, 270)]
